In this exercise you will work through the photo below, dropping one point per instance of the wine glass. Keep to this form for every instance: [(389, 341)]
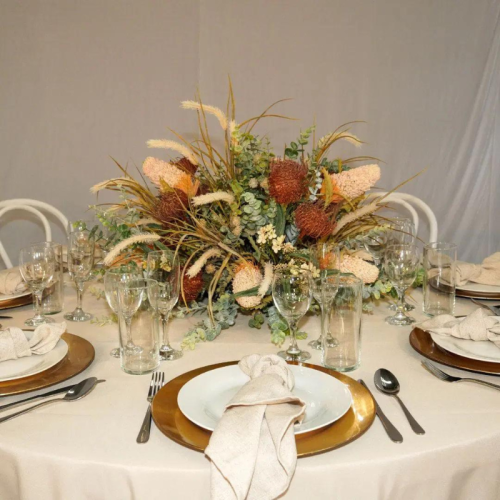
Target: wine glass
[(130, 295), (374, 243), (81, 246), (37, 264), (292, 295), (163, 267), (401, 264), (112, 277), (324, 288)]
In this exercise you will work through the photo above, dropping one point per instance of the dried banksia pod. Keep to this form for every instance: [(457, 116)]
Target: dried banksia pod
[(314, 221), (287, 181), (171, 207), (186, 165), (192, 286)]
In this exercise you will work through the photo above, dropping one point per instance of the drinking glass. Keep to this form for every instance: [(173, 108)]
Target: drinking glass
[(439, 278), (345, 323), (81, 246), (375, 243), (37, 265), (324, 288), (112, 278), (401, 264), (163, 267), (292, 295), (53, 295), (139, 346)]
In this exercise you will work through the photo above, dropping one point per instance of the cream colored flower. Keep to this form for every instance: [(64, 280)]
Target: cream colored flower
[(278, 244), (157, 170), (174, 146), (202, 260), (247, 276), (266, 233), (288, 247), (311, 268), (210, 269), (365, 271), (211, 110), (355, 182), (253, 183), (268, 279), (264, 184), (204, 199)]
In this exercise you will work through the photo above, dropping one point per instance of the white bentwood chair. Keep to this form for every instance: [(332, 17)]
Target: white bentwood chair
[(34, 207), (409, 202)]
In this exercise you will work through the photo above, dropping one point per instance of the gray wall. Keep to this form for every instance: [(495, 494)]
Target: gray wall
[(81, 81)]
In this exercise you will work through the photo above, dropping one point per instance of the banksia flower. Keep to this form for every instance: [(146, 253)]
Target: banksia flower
[(287, 181), (186, 165), (365, 271), (171, 207), (353, 183), (192, 286), (313, 220), (247, 276)]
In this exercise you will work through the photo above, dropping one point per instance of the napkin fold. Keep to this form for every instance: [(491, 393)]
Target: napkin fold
[(487, 273), (14, 344), (11, 281), (252, 450), (480, 325)]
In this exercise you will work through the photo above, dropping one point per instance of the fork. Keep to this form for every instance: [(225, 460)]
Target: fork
[(437, 372), (494, 309), (157, 382)]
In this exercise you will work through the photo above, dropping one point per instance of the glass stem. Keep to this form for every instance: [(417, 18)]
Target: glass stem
[(294, 348), (164, 326), (323, 323), (128, 326), (401, 303), (79, 293), (38, 303)]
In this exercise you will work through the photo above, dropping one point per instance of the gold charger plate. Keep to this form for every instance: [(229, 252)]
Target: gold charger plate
[(172, 422), (17, 302), (80, 355), (422, 342)]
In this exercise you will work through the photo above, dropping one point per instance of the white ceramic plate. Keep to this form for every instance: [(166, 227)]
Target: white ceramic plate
[(14, 295), (482, 350), (478, 288), (204, 398), (31, 365)]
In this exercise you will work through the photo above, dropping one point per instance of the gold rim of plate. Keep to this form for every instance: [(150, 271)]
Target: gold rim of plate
[(171, 421), (80, 355), (17, 302)]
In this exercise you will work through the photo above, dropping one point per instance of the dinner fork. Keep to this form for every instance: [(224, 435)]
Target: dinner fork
[(437, 372), (157, 382), (494, 309)]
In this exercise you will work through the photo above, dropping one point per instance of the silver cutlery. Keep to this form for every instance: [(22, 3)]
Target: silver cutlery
[(494, 309), (77, 392), (386, 382), (66, 388), (5, 317), (157, 382), (437, 372), (392, 432)]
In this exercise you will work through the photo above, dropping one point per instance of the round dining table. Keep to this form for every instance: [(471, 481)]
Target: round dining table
[(87, 449)]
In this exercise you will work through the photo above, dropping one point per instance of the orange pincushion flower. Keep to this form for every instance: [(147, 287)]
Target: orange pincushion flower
[(314, 221), (287, 181), (192, 286), (171, 207)]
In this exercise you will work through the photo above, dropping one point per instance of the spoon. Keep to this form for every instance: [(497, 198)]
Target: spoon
[(386, 382), (78, 391)]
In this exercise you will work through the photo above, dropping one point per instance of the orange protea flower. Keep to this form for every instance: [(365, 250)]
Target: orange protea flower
[(313, 220), (171, 207), (192, 286), (186, 165), (287, 181), (247, 276)]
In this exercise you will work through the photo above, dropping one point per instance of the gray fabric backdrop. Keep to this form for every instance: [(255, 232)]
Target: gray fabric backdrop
[(81, 81)]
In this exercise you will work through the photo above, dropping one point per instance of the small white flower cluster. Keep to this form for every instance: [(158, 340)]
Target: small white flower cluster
[(265, 234), (253, 183), (278, 244), (294, 268), (311, 268), (268, 234)]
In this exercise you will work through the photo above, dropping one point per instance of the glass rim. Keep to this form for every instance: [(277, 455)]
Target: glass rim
[(401, 245), (354, 280), (440, 245), (126, 284)]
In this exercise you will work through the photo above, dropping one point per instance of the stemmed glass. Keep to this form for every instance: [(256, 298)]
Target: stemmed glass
[(163, 267), (37, 264), (375, 243), (324, 288), (292, 295), (401, 264), (130, 295), (112, 278), (81, 246)]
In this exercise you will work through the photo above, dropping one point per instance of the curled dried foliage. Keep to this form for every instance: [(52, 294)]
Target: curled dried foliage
[(287, 181)]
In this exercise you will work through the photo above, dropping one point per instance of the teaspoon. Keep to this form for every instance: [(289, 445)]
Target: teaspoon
[(386, 382)]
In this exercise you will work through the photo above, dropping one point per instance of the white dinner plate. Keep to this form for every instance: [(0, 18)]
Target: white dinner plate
[(31, 365), (204, 398), (14, 295), (482, 350), (478, 288)]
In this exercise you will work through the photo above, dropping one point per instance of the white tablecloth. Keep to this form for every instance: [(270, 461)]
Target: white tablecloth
[(87, 449)]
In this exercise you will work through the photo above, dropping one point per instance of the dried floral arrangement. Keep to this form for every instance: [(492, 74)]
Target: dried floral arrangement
[(236, 213)]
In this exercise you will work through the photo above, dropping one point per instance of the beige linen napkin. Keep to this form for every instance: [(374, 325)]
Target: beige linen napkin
[(11, 281), (14, 344), (487, 273), (479, 325), (252, 449)]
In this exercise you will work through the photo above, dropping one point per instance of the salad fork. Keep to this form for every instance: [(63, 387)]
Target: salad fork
[(157, 382), (437, 372)]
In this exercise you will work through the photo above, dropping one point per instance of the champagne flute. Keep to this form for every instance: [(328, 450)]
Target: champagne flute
[(37, 264), (81, 246), (292, 295), (112, 278), (401, 263), (324, 288), (163, 267), (130, 295)]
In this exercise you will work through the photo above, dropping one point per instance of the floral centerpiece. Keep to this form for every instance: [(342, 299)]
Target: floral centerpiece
[(234, 210)]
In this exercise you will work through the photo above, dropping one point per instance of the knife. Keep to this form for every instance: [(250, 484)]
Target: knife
[(5, 317), (392, 432), (40, 396)]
